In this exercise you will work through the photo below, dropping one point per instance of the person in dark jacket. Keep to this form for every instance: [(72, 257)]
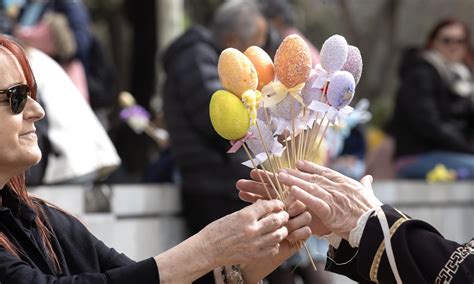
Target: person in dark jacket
[(433, 121), (370, 242), (208, 172), (40, 243)]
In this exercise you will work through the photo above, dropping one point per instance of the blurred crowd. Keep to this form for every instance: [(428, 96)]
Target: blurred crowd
[(114, 137)]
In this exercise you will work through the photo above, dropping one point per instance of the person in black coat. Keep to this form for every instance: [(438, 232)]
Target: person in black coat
[(208, 172), (433, 120), (370, 242)]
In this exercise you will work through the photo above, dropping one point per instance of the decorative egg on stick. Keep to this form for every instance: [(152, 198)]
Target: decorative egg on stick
[(263, 65), (236, 72), (354, 63), (334, 53), (229, 116), (293, 61), (341, 89)]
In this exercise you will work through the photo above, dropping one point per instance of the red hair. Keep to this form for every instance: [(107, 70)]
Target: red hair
[(17, 184)]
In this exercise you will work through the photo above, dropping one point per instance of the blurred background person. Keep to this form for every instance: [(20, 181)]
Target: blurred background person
[(208, 173), (433, 120), (60, 28), (282, 23)]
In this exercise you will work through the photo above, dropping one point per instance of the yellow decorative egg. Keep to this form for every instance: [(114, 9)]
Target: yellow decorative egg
[(263, 64), (229, 116), (293, 61), (236, 72)]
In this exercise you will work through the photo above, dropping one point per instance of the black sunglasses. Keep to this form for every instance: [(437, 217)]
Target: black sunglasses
[(17, 96), (452, 40)]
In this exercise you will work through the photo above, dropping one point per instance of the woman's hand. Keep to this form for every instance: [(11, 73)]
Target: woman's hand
[(253, 190), (337, 200), (254, 232), (298, 230)]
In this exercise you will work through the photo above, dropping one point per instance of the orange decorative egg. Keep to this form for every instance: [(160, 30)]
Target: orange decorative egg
[(263, 64), (293, 61)]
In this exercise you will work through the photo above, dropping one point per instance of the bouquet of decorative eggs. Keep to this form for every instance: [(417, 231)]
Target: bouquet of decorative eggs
[(279, 111)]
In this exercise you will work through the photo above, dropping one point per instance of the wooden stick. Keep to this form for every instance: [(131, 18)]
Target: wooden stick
[(309, 256), (293, 149), (268, 158), (260, 176), (322, 136), (313, 138)]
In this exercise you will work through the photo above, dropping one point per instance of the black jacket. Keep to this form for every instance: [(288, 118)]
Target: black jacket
[(421, 254), (191, 69), (428, 115), (82, 257)]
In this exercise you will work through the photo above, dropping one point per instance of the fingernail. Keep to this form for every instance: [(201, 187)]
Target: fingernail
[(291, 212), (283, 171), (299, 163), (283, 175)]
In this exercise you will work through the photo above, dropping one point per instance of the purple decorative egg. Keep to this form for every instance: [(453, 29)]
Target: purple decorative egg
[(341, 89)]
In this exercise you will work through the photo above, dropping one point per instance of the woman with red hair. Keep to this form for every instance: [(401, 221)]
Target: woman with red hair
[(39, 243)]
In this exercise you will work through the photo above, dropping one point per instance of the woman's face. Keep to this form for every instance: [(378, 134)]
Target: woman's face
[(451, 42), (18, 141)]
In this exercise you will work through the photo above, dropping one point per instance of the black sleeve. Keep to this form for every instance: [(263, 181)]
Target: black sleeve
[(422, 255), (15, 271), (93, 261), (416, 98)]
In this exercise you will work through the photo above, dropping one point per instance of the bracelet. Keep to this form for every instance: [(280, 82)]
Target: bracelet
[(234, 276)]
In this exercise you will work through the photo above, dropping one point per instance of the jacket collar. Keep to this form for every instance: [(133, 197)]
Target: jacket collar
[(16, 206)]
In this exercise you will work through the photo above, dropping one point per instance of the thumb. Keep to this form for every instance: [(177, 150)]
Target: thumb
[(367, 181)]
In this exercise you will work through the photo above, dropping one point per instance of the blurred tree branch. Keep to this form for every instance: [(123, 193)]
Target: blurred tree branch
[(378, 54)]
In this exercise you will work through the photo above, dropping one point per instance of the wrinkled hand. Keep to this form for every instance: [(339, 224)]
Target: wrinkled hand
[(248, 234), (337, 200), (300, 219), (253, 190)]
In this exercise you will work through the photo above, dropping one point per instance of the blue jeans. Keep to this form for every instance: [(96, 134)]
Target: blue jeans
[(462, 163)]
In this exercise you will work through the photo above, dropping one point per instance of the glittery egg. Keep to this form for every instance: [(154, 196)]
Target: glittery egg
[(333, 53), (236, 72), (293, 61), (229, 116), (284, 109), (354, 63), (255, 142), (341, 89), (262, 63)]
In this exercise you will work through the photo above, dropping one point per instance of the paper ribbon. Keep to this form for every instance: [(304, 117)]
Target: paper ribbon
[(236, 144), (332, 114), (281, 91), (323, 76), (276, 150)]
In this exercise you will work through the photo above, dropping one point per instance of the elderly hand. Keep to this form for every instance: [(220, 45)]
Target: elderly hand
[(337, 200), (297, 227), (253, 190), (252, 233)]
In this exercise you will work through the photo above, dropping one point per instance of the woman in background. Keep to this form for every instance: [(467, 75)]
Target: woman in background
[(433, 121)]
